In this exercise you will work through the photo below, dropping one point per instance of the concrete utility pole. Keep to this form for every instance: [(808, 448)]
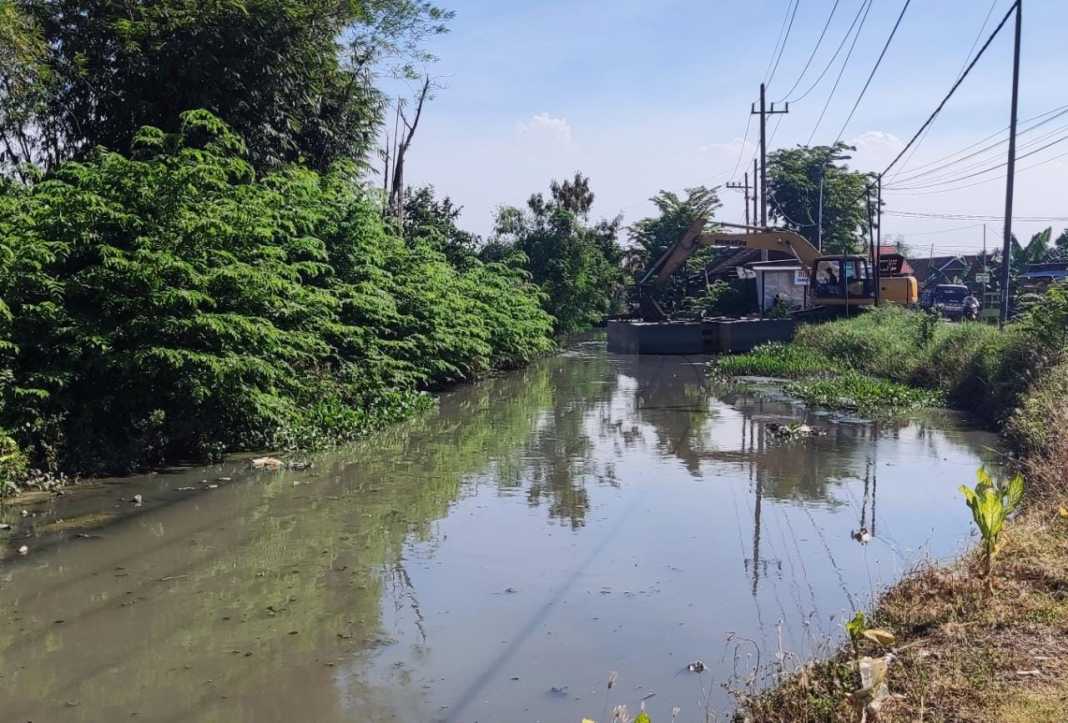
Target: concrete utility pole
[(755, 214), (1006, 254), (743, 187), (764, 113), (878, 260)]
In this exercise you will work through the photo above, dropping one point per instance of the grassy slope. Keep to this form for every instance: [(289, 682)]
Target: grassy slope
[(961, 655)]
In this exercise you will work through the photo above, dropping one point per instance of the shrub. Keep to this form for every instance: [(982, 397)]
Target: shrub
[(171, 304), (775, 359), (991, 502), (13, 465), (862, 393)]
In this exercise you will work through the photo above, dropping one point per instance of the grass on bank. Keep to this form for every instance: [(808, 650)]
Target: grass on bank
[(962, 652)]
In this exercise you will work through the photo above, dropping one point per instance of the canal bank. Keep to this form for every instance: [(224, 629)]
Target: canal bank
[(961, 653), (497, 559)]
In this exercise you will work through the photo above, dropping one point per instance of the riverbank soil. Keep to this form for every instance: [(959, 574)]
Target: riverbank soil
[(962, 654)]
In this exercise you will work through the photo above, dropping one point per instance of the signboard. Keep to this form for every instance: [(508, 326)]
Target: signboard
[(891, 265), (982, 278), (800, 277)]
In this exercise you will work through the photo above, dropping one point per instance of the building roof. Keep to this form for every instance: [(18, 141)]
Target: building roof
[(726, 265), (940, 269), (783, 265)]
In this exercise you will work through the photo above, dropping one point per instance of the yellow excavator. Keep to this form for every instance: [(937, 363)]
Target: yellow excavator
[(836, 283)]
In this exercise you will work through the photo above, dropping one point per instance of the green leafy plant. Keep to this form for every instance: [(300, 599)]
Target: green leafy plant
[(13, 465), (991, 502), (171, 305), (862, 393), (857, 628), (775, 359)]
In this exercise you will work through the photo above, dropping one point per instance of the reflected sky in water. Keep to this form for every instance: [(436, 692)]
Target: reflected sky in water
[(493, 560)]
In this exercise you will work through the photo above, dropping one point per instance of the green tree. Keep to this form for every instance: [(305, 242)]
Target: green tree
[(578, 265), (435, 222), (650, 237), (25, 82), (293, 77), (1062, 245), (794, 180), (1036, 251)]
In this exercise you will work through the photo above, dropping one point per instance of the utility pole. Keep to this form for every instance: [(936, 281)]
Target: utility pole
[(1006, 254), (755, 214), (764, 113), (879, 242), (744, 187), (873, 249)]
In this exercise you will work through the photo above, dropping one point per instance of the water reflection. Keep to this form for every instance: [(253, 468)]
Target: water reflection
[(414, 576)]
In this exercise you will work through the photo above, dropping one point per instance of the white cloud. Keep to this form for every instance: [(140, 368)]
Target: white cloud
[(875, 149), (545, 126)]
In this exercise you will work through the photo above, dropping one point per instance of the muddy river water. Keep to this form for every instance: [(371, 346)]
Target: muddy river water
[(494, 560)]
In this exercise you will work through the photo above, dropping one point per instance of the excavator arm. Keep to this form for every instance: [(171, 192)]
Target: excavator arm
[(696, 237)]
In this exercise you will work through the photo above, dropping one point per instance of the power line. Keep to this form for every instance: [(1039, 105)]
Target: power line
[(944, 230), (975, 43), (741, 150), (871, 75), (797, 4), (780, 43), (953, 176), (812, 55), (834, 57), (978, 36), (918, 172), (953, 90), (838, 80), (907, 192), (987, 170), (974, 217)]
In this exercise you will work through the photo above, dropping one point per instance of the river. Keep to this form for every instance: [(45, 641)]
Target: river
[(494, 560)]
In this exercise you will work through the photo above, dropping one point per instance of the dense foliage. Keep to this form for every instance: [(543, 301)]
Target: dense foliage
[(436, 222), (795, 177), (293, 77), (173, 304), (979, 368), (576, 263), (650, 237)]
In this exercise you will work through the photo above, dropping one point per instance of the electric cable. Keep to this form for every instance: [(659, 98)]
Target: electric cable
[(878, 62), (841, 72), (797, 3), (812, 55), (837, 52)]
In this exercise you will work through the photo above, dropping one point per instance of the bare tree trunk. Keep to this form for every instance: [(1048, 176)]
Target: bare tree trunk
[(403, 141)]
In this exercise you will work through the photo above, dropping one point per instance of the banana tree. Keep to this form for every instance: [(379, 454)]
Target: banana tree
[(991, 502)]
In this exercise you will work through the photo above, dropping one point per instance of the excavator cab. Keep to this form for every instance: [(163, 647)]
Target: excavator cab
[(838, 278)]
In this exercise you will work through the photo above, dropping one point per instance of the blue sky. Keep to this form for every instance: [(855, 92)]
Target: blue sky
[(648, 95)]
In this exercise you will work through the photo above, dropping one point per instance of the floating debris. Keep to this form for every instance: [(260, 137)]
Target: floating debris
[(137, 500), (696, 666), (268, 463), (793, 431), (24, 550)]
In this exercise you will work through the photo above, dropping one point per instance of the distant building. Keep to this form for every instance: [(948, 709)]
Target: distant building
[(786, 279), (1042, 275)]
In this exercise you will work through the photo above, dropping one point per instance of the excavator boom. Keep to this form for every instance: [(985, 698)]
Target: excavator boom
[(696, 237)]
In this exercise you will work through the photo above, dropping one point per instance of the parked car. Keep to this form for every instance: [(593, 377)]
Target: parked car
[(948, 299)]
